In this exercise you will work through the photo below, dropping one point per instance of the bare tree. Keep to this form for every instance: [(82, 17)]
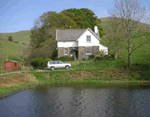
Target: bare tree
[(130, 14), (114, 37)]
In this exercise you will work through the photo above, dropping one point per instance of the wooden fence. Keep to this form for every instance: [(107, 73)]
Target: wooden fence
[(4, 73)]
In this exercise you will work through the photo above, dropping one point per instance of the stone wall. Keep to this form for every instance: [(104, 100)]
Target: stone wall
[(60, 52), (82, 52), (95, 50)]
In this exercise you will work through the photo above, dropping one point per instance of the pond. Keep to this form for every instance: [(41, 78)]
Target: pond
[(78, 101)]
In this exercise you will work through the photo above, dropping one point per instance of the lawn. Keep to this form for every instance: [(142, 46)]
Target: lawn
[(82, 72)]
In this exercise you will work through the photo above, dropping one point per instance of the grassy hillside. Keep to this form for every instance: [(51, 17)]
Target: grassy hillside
[(104, 21), (14, 50), (20, 40), (141, 55), (21, 36)]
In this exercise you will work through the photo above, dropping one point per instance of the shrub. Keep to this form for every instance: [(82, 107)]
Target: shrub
[(101, 56), (37, 62), (40, 62), (45, 61), (91, 57), (66, 58), (10, 38)]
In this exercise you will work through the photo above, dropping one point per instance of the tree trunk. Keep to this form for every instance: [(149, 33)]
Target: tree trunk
[(129, 53)]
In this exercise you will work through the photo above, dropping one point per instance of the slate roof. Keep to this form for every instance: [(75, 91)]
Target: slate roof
[(69, 34)]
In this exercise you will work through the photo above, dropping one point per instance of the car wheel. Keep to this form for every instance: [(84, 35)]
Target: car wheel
[(52, 68), (67, 67)]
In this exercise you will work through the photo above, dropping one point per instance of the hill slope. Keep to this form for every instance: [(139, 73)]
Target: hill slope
[(14, 50), (141, 55), (21, 36)]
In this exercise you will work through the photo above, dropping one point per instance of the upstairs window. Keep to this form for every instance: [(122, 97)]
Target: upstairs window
[(88, 38), (89, 50), (66, 51)]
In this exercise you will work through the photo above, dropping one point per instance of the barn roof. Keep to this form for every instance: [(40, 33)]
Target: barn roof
[(11, 61)]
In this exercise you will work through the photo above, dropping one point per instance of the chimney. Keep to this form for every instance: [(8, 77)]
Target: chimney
[(96, 31)]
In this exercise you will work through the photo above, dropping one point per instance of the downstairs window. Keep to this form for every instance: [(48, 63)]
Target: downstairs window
[(89, 50)]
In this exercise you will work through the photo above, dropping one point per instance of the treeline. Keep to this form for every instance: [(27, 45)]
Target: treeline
[(43, 33)]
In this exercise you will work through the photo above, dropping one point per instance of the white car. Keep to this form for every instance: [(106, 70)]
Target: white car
[(52, 65)]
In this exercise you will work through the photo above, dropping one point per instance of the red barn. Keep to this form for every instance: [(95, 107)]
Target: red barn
[(11, 65)]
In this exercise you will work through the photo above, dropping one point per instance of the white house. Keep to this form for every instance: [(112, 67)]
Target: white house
[(79, 43)]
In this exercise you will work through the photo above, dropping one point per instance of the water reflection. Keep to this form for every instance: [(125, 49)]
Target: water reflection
[(77, 101)]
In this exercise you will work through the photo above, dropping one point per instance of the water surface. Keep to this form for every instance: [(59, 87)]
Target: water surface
[(78, 101)]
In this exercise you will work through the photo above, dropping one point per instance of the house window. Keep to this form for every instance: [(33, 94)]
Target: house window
[(66, 51), (88, 38), (89, 50), (15, 63)]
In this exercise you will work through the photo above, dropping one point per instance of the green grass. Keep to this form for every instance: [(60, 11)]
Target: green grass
[(104, 72), (21, 36), (141, 55), (9, 90), (14, 50), (76, 65)]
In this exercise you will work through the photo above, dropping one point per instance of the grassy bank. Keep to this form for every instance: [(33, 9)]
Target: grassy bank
[(84, 72), (16, 82)]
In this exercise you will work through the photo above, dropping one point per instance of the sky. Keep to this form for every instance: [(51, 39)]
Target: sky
[(18, 15)]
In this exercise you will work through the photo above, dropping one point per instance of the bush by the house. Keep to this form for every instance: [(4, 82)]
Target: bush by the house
[(91, 57), (45, 61), (66, 58), (40, 62), (101, 56)]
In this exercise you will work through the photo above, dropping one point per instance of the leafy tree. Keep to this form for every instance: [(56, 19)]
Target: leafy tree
[(85, 18), (46, 25), (10, 38)]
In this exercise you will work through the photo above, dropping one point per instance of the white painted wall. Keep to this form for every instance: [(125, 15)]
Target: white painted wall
[(82, 39), (67, 44), (104, 49)]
